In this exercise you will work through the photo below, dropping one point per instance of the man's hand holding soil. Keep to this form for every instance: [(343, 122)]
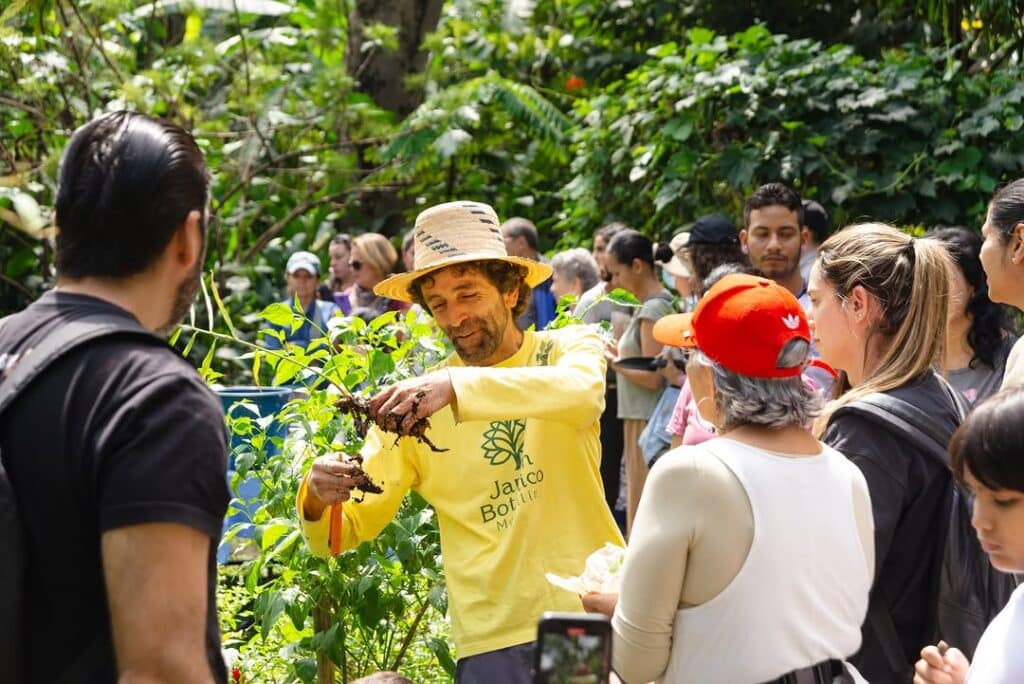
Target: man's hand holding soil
[(331, 480), (397, 408)]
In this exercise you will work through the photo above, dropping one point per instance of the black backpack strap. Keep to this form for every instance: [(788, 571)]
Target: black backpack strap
[(929, 436), (907, 420), (69, 336)]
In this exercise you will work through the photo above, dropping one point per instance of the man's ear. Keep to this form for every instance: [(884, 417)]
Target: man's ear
[(511, 298), (188, 241), (805, 235), (743, 237)]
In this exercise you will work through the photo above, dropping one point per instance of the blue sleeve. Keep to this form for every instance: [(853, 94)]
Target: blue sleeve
[(545, 304)]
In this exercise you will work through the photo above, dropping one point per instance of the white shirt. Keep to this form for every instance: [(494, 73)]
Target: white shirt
[(800, 594), (999, 658)]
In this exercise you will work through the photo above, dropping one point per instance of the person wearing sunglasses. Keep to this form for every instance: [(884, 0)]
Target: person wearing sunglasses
[(372, 260)]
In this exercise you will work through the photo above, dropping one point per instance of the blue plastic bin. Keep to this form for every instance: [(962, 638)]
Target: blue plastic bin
[(267, 401)]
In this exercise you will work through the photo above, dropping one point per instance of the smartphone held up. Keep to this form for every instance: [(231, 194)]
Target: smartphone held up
[(573, 648)]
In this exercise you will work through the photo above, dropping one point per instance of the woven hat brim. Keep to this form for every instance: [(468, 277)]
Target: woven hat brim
[(397, 286)]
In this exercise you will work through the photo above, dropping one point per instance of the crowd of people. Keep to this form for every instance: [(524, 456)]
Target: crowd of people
[(779, 431)]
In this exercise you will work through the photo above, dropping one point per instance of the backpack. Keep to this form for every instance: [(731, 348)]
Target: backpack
[(13, 554), (971, 591)]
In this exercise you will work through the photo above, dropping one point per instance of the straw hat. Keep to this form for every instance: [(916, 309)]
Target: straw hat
[(455, 233)]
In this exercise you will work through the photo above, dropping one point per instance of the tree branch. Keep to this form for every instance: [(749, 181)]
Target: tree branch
[(96, 41), (270, 233), (16, 285), (245, 46), (37, 113), (78, 60)]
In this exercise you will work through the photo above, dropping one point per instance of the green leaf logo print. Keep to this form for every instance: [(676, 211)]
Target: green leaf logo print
[(504, 440)]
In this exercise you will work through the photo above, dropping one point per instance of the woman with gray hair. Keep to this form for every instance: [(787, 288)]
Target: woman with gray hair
[(752, 554), (574, 271)]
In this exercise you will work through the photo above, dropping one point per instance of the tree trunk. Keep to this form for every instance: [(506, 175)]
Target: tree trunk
[(379, 73)]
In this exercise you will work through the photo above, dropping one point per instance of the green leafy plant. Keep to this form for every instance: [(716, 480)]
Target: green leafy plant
[(376, 607)]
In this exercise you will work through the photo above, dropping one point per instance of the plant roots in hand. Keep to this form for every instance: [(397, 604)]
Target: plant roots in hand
[(359, 409)]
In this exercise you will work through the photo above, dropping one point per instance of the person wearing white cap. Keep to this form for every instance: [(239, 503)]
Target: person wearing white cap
[(678, 271), (518, 493), (302, 275)]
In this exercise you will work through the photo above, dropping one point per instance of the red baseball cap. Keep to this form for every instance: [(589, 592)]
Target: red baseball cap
[(742, 323)]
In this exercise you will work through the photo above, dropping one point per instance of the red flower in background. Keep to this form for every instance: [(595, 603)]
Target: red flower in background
[(574, 83), (236, 675)]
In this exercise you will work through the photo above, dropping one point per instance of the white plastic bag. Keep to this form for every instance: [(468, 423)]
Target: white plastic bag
[(602, 573)]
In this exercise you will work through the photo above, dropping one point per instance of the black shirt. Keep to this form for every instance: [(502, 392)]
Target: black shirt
[(116, 433), (910, 500)]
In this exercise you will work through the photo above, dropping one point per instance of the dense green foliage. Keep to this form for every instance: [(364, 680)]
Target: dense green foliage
[(909, 138)]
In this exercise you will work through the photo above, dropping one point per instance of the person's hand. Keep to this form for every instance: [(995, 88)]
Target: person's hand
[(398, 407), (934, 667), (611, 352), (330, 481), (595, 602)]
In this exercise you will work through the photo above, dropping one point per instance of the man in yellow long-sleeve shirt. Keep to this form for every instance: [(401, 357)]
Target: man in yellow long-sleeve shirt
[(519, 493)]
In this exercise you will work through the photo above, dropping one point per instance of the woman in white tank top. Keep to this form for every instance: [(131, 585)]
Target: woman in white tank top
[(751, 556)]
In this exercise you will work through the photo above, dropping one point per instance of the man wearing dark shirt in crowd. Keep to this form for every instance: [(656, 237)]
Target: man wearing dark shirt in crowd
[(117, 451)]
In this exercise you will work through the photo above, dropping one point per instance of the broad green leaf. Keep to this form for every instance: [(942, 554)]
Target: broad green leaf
[(271, 533), (268, 608), (278, 313), (286, 370), (623, 297)]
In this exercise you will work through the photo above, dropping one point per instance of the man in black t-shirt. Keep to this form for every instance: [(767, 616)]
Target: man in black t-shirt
[(117, 452)]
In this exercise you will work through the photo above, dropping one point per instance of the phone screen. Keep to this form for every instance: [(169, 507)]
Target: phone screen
[(573, 651)]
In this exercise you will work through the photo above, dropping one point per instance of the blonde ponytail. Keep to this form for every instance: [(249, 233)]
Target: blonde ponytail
[(910, 279)]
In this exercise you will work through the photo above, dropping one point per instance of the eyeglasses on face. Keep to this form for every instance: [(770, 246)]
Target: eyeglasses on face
[(355, 265)]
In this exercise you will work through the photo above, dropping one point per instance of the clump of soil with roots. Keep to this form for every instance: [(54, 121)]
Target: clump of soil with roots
[(362, 417)]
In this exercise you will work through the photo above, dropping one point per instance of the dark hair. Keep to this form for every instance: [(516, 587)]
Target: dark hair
[(342, 239), (705, 258), (610, 230), (1006, 209), (503, 275), (816, 220), (631, 244), (517, 226), (126, 184), (988, 442), (731, 268), (987, 318), (772, 195)]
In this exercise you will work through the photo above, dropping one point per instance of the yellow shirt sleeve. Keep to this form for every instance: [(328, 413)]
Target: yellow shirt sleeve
[(569, 388), (393, 467)]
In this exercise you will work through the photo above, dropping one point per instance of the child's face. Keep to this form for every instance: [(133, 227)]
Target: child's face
[(999, 521)]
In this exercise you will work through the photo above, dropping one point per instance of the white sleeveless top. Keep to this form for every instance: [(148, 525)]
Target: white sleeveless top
[(802, 593)]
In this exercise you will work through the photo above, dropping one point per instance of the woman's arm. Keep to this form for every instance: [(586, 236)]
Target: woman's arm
[(652, 379), (654, 571)]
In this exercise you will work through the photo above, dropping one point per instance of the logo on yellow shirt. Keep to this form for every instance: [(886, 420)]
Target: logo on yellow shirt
[(504, 441)]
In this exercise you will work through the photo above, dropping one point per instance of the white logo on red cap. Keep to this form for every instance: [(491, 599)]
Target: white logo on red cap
[(792, 321)]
